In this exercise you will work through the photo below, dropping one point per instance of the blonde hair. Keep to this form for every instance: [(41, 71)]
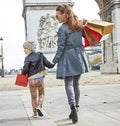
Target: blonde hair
[(29, 45), (71, 19)]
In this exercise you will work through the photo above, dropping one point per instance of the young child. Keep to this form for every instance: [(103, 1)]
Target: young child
[(34, 67)]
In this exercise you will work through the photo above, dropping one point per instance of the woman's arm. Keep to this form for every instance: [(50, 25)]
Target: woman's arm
[(60, 44)]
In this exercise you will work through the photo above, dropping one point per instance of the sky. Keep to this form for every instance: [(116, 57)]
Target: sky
[(12, 28)]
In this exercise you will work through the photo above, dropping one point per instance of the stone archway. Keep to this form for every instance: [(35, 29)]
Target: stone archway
[(110, 11)]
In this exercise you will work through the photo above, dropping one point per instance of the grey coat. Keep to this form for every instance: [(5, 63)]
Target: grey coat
[(70, 55)]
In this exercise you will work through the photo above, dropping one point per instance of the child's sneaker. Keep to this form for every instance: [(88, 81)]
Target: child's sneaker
[(44, 113), (41, 112)]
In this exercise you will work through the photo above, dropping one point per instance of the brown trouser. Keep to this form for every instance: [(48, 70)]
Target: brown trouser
[(37, 93)]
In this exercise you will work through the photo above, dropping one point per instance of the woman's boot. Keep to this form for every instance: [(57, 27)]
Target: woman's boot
[(74, 115), (70, 115)]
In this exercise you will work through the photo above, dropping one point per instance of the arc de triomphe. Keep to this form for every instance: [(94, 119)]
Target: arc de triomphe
[(41, 26)]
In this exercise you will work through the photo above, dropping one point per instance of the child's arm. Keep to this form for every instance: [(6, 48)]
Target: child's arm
[(47, 63)]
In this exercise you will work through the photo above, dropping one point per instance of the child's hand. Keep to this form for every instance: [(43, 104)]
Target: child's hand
[(52, 63)]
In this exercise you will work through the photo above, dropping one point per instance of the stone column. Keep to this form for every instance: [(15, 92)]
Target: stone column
[(116, 35), (111, 47)]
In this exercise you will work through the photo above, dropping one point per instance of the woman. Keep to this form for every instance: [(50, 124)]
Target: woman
[(34, 66), (70, 56)]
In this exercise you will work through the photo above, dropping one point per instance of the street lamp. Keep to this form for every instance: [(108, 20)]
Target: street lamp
[(2, 74)]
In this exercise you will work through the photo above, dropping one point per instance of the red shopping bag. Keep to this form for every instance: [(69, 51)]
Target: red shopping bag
[(96, 35), (91, 37), (21, 80)]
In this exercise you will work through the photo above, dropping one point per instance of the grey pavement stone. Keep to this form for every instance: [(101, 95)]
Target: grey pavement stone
[(99, 106), (12, 111), (16, 110)]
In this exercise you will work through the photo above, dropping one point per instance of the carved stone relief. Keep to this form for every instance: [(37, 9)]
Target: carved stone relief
[(47, 32)]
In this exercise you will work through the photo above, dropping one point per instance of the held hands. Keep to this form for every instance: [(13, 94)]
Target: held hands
[(52, 64)]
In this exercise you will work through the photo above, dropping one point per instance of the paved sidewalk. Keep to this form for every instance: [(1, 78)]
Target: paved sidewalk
[(99, 106), (15, 110)]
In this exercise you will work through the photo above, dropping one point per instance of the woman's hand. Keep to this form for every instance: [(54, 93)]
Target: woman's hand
[(51, 65), (84, 22)]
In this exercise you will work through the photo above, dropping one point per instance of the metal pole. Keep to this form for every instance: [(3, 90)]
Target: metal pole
[(2, 61), (2, 74)]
